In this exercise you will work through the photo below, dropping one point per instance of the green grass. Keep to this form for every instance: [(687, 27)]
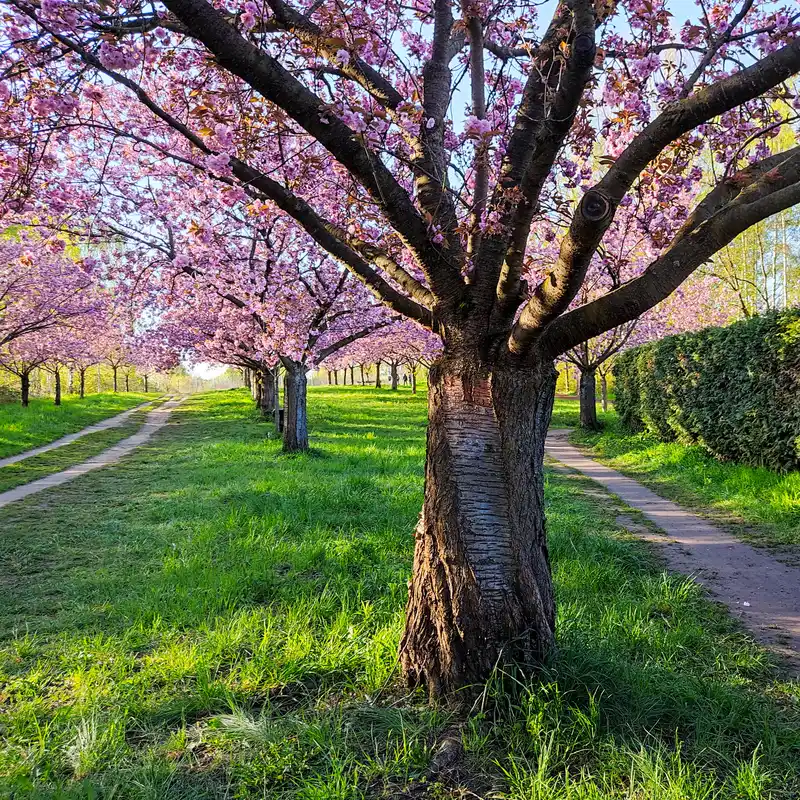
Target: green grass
[(86, 447), (42, 422), (211, 619), (757, 504)]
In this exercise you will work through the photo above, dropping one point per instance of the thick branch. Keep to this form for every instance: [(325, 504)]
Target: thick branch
[(773, 192)]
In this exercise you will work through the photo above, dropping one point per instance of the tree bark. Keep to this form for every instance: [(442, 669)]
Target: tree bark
[(336, 377), (378, 375), (393, 374), (330, 378), (588, 400), (146, 382), (127, 381), (604, 391), (71, 381), (481, 592), (361, 367), (248, 381), (413, 380), (352, 375), (267, 397), (25, 388), (115, 379), (82, 383), (57, 376), (295, 423)]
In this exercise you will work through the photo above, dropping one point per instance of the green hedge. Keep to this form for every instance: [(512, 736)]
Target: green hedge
[(735, 390)]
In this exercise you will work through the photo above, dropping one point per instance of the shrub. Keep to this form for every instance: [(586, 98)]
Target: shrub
[(734, 390)]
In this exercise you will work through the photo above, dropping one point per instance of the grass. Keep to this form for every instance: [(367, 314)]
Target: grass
[(211, 619), (86, 447), (755, 503), (42, 422), (566, 414)]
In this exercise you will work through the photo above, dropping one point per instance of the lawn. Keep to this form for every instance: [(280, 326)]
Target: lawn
[(212, 619), (35, 467), (755, 503), (42, 422)]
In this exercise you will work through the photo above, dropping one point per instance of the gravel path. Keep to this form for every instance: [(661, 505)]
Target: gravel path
[(154, 420), (758, 589), (103, 425)]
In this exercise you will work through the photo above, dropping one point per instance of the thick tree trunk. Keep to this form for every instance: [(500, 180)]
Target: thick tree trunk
[(25, 388), (604, 391), (394, 375), (295, 424), (481, 591), (588, 400), (377, 374), (82, 383), (57, 376), (267, 397)]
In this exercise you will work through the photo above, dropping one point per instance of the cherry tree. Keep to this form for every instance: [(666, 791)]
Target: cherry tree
[(352, 121)]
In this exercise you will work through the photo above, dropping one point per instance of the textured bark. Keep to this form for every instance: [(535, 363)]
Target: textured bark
[(248, 381), (57, 376), (25, 388), (295, 427), (266, 396), (394, 375), (481, 591), (588, 400)]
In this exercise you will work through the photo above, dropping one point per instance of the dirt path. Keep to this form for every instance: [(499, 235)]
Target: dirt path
[(154, 420), (103, 425), (758, 589)]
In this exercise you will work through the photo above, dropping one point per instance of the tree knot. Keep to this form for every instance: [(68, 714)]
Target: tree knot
[(595, 207)]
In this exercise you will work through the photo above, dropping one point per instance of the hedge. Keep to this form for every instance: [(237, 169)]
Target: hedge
[(734, 390)]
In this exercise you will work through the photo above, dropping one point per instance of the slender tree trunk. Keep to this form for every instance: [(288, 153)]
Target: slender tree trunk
[(414, 380), (295, 425), (330, 378), (82, 383), (377, 374), (57, 376), (604, 391), (336, 377), (394, 375), (256, 389), (145, 383), (352, 375), (248, 380), (127, 381), (481, 591), (361, 367), (588, 400), (115, 379), (25, 388), (566, 379), (276, 382), (71, 381)]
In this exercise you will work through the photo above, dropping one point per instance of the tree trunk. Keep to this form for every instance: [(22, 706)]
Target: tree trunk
[(352, 375), (414, 380), (378, 375), (566, 379), (57, 376), (115, 379), (394, 375), (295, 422), (361, 367), (604, 391), (127, 381), (25, 388), (82, 382), (71, 381), (276, 383), (330, 378), (267, 397), (145, 383), (588, 400), (481, 592), (336, 377), (248, 381), (256, 389)]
